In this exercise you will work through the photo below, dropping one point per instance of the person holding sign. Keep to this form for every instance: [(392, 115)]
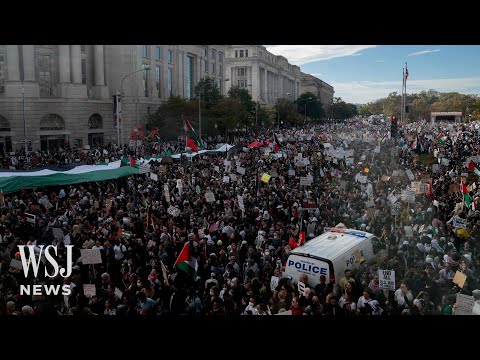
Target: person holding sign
[(403, 296)]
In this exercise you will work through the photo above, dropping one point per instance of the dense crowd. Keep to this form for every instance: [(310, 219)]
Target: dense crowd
[(239, 247)]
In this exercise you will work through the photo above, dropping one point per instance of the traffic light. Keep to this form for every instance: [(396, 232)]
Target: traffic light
[(394, 127)]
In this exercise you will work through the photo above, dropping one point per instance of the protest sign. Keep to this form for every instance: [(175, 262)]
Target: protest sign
[(209, 197), (386, 279), (464, 304), (241, 170), (240, 202), (274, 282), (89, 290), (305, 181), (266, 178), (173, 211), (91, 256)]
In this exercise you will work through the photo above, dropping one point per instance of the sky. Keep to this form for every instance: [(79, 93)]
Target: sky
[(364, 73)]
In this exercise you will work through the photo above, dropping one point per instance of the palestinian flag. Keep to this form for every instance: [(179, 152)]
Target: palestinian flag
[(138, 130), (471, 166), (151, 136), (476, 170), (466, 196), (191, 136), (277, 143), (186, 262), (441, 139)]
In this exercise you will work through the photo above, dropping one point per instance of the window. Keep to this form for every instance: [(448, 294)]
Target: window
[(236, 53), (44, 75), (2, 73), (246, 53), (170, 82), (205, 63), (145, 82), (242, 83), (52, 122), (241, 53), (145, 51), (4, 124), (213, 54), (95, 121), (220, 56), (189, 76), (157, 81), (170, 56), (242, 71), (220, 69), (206, 52), (84, 71), (212, 68), (83, 48), (157, 54)]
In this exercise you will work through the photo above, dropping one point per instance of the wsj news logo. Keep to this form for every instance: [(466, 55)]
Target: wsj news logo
[(36, 262)]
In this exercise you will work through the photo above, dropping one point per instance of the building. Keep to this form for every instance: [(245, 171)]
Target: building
[(321, 89), (67, 90), (265, 75)]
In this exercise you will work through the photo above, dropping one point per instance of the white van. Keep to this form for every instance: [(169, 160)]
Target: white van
[(330, 254)]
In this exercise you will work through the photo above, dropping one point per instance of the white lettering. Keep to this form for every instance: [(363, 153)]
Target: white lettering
[(24, 289), (37, 289), (33, 260), (52, 261), (52, 289), (69, 263), (66, 290)]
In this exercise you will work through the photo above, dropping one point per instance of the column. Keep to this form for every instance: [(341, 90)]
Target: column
[(99, 91), (31, 86), (76, 63), (64, 63), (13, 86), (99, 65), (28, 63)]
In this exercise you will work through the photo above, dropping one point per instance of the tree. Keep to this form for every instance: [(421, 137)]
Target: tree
[(229, 114), (286, 111), (342, 110), (314, 109), (266, 115), (210, 93), (168, 117), (247, 115)]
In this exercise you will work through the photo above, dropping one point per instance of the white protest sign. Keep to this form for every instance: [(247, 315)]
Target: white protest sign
[(210, 197), (436, 203), (408, 231), (153, 176), (464, 304), (369, 204), (91, 256), (410, 175), (173, 211), (216, 168), (274, 282), (459, 223), (291, 172), (16, 264), (301, 288), (305, 181), (226, 179), (392, 198), (395, 209), (362, 179), (30, 218), (233, 177), (58, 233), (386, 279), (445, 162), (408, 195), (167, 192), (89, 290), (241, 170), (118, 293), (240, 202)]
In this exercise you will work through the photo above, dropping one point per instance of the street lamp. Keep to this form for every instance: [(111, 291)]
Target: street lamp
[(24, 120), (256, 113), (146, 67)]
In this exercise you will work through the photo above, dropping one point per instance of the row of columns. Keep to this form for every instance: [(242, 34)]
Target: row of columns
[(70, 64)]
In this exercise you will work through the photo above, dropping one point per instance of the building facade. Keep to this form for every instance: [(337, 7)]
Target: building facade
[(324, 91), (265, 75), (52, 94)]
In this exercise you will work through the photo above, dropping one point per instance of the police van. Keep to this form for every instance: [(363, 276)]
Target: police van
[(330, 254)]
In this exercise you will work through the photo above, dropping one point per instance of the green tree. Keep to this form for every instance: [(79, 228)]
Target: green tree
[(247, 115), (342, 110), (314, 109), (168, 117), (364, 110), (286, 111), (210, 93)]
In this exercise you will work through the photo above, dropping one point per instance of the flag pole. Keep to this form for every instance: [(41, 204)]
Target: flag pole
[(403, 85), (405, 92)]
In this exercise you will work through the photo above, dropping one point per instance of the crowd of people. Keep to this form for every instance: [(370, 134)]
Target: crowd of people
[(244, 234)]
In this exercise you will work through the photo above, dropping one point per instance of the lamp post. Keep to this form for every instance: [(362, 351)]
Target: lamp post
[(146, 67), (256, 113), (24, 120)]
